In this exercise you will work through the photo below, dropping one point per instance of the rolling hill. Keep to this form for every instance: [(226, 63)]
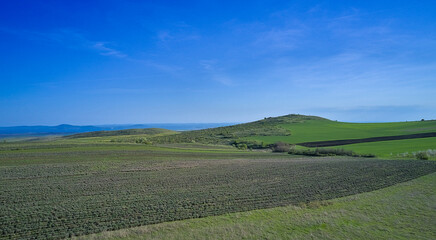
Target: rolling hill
[(385, 139), (301, 129), (140, 131), (67, 129)]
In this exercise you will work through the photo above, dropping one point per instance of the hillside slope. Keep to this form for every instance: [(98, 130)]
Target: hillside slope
[(292, 129), (146, 131), (268, 127), (296, 129), (320, 130)]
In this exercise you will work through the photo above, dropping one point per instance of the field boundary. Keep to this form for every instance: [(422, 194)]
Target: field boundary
[(331, 143)]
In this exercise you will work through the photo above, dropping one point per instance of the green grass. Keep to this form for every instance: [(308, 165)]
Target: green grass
[(394, 149), (227, 135), (323, 130), (141, 131), (404, 211), (295, 129), (291, 129), (58, 189)]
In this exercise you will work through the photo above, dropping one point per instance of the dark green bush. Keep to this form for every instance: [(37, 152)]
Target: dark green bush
[(248, 144), (421, 156), (281, 147), (320, 152), (242, 146), (143, 140), (367, 155)]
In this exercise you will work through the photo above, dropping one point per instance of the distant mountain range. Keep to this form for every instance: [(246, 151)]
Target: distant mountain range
[(66, 129)]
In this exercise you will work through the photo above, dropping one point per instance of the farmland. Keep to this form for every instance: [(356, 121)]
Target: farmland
[(88, 183), (55, 192), (402, 211)]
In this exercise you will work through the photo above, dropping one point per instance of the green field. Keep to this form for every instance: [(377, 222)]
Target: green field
[(322, 130), (126, 132), (295, 129), (394, 149)]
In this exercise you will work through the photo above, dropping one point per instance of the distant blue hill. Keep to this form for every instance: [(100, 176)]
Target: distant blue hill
[(66, 129)]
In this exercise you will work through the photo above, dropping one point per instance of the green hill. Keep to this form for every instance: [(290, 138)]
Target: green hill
[(393, 139), (297, 129), (323, 130), (145, 131), (269, 127)]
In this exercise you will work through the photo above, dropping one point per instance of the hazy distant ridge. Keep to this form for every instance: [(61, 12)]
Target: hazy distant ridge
[(71, 129)]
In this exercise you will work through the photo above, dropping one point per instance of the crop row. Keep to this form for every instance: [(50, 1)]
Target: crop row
[(86, 200)]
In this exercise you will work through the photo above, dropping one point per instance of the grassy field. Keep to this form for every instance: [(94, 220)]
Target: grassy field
[(322, 130), (299, 129), (53, 189), (126, 132), (404, 211), (394, 149), (293, 129)]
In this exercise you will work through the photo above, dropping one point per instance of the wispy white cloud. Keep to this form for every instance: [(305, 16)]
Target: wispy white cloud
[(349, 15), (282, 39), (216, 73), (164, 36), (208, 65), (356, 50), (315, 9), (224, 80), (76, 40), (177, 35), (167, 68), (67, 38), (107, 51), (117, 91)]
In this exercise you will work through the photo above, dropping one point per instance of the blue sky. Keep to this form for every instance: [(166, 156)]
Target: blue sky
[(116, 62)]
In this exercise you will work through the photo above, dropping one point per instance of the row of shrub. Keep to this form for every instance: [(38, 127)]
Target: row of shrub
[(319, 152), (247, 144), (141, 140), (285, 147), (323, 152), (420, 155), (282, 147)]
